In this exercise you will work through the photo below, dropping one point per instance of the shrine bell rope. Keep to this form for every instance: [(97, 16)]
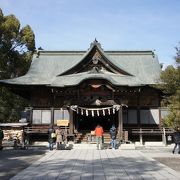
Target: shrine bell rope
[(95, 111)]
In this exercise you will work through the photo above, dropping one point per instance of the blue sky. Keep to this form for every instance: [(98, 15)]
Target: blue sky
[(117, 24)]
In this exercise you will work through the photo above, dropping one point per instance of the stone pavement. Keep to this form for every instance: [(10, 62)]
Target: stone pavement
[(96, 165)]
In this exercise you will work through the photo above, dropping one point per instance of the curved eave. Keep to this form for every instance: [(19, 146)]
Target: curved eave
[(76, 79), (26, 80)]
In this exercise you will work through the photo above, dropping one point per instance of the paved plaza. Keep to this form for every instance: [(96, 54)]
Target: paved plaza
[(91, 164)]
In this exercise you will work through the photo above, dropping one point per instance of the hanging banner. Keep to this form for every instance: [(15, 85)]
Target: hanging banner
[(86, 112), (109, 111), (91, 111), (98, 112), (113, 111), (103, 112)]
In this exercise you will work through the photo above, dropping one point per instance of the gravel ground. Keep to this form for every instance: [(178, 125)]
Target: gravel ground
[(13, 161)]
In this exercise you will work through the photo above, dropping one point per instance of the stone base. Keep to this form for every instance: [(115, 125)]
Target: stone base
[(154, 144), (127, 146)]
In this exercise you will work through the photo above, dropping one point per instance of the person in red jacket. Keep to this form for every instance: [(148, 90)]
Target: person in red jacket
[(99, 136)]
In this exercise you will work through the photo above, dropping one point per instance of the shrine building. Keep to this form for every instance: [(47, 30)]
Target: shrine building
[(92, 87)]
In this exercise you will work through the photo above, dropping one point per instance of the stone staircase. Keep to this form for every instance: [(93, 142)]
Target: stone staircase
[(93, 146), (82, 137), (83, 145)]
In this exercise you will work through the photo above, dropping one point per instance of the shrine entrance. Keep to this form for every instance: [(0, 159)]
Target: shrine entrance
[(89, 123), (87, 118)]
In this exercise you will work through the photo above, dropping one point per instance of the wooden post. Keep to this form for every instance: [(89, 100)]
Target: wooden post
[(138, 110), (31, 115), (164, 136), (120, 123), (141, 137), (52, 115), (71, 122)]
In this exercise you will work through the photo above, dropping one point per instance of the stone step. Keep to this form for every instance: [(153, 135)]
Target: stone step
[(127, 146), (72, 145), (84, 146)]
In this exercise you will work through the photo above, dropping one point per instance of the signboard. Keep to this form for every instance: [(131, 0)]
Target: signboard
[(62, 122)]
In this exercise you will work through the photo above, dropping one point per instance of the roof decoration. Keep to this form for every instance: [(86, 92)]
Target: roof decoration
[(95, 43)]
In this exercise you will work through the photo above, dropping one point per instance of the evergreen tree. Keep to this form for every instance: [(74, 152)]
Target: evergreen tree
[(171, 78), (16, 49)]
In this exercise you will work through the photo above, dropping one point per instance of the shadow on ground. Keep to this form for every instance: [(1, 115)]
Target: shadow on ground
[(13, 161)]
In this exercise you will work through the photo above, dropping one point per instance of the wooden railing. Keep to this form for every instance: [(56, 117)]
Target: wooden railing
[(34, 130), (152, 131)]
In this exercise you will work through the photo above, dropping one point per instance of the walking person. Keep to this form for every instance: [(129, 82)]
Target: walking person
[(99, 136), (1, 138), (59, 138), (51, 137), (113, 133), (176, 139)]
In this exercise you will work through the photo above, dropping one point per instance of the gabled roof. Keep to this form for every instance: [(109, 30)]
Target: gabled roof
[(59, 68), (91, 56)]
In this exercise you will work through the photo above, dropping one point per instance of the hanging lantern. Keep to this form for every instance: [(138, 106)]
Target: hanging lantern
[(81, 111)]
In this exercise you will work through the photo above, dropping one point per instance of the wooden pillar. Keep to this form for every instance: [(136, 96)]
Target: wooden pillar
[(164, 136), (120, 123), (52, 115), (138, 110), (71, 122), (141, 137), (160, 118), (31, 115)]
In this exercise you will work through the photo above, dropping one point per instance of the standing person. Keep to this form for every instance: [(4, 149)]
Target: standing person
[(1, 138), (22, 139), (99, 135), (113, 133), (176, 139), (65, 135), (59, 139), (51, 137)]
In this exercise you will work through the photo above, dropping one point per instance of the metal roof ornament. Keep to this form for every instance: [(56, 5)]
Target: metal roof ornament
[(95, 43)]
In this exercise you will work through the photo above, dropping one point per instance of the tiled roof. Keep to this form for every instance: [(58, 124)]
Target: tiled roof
[(47, 67)]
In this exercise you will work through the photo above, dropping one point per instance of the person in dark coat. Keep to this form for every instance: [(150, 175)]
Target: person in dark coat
[(51, 137), (176, 139), (1, 138), (113, 133)]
